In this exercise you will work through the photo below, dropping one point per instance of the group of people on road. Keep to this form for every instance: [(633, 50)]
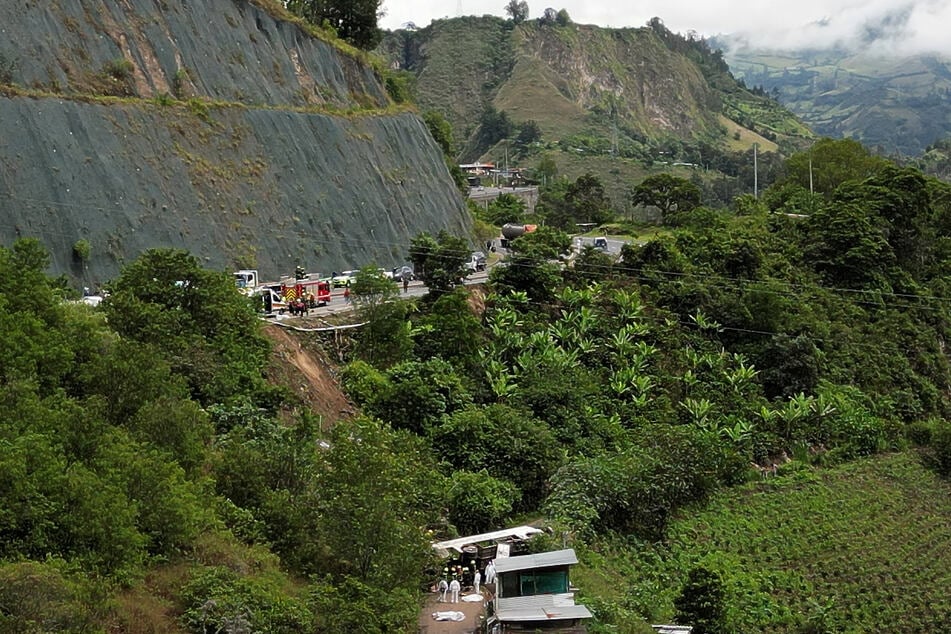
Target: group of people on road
[(472, 575)]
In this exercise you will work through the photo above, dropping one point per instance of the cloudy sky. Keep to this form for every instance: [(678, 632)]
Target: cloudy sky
[(888, 26)]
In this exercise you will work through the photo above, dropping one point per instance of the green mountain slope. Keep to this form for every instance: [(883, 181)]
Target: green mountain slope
[(863, 547), (899, 104), (644, 94)]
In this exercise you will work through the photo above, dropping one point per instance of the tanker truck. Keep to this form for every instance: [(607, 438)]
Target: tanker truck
[(510, 231)]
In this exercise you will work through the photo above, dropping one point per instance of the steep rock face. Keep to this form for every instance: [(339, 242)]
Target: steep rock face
[(229, 50), (651, 88), (271, 185)]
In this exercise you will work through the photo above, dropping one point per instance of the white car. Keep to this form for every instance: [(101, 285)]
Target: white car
[(341, 280)]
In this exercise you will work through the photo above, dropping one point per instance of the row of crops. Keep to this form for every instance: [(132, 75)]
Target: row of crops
[(863, 547)]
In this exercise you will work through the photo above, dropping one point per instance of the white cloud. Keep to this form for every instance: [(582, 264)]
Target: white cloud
[(903, 26)]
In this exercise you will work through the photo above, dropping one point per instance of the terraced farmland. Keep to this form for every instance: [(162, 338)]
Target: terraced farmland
[(865, 547)]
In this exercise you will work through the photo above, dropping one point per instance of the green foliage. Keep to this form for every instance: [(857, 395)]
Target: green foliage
[(546, 170), (701, 602), (205, 329), (504, 209), (353, 606), (856, 548), (637, 491), (385, 338), (400, 86), (505, 442), (451, 331), (532, 267), (418, 394), (494, 126), (362, 381), (941, 442), (82, 250), (218, 599), (440, 129), (478, 502), (353, 20), (375, 490), (670, 194), (439, 261), (528, 134), (832, 163), (567, 204), (46, 597), (517, 10)]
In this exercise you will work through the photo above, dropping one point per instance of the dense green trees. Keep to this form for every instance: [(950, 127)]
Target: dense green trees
[(193, 317), (353, 20), (439, 261), (605, 396)]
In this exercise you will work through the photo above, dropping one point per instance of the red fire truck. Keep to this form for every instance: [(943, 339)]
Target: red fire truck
[(313, 292)]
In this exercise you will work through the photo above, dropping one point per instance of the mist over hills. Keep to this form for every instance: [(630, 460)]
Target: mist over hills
[(877, 73)]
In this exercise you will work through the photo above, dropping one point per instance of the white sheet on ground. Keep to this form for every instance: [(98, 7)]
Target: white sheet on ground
[(473, 598), (449, 616)]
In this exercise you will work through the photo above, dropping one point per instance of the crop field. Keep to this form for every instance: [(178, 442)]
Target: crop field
[(863, 547)]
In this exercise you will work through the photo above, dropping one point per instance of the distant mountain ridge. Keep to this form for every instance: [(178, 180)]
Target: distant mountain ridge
[(899, 105)]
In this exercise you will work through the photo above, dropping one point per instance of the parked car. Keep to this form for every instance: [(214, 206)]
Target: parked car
[(476, 261), (403, 272), (340, 280), (601, 243)]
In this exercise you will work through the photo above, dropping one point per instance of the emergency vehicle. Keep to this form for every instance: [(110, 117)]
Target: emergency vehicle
[(313, 292)]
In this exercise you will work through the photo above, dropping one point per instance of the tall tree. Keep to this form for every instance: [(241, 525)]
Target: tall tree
[(385, 337), (588, 201), (439, 261), (517, 10), (668, 193)]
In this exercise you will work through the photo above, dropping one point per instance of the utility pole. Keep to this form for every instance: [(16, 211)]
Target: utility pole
[(810, 175), (755, 171)]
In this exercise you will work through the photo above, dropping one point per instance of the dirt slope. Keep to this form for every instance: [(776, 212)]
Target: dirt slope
[(299, 363)]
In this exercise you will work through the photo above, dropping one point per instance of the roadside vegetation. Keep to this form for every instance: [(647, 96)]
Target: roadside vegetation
[(150, 474)]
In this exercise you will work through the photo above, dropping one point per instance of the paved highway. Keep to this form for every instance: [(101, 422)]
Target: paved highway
[(338, 303)]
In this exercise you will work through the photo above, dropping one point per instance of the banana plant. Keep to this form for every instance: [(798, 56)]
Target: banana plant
[(628, 305), (622, 381), (741, 376), (500, 379), (703, 323), (700, 411), (586, 345), (796, 409), (573, 298), (740, 433), (587, 320), (562, 331)]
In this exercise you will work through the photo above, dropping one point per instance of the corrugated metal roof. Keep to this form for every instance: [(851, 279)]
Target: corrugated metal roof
[(541, 607), (538, 560)]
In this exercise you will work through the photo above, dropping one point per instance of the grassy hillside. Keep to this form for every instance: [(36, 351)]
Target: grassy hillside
[(642, 94), (899, 104), (862, 547)]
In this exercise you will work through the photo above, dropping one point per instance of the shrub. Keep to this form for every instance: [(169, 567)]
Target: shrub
[(81, 250), (941, 442), (478, 502), (218, 600), (119, 69)]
